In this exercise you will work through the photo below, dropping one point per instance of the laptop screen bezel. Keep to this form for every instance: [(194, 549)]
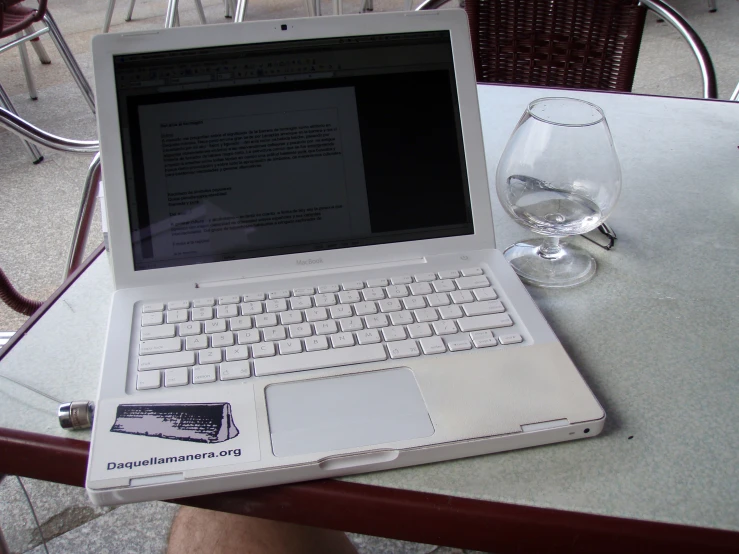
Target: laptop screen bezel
[(105, 47)]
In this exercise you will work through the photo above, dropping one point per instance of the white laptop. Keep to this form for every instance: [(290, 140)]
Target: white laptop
[(306, 278)]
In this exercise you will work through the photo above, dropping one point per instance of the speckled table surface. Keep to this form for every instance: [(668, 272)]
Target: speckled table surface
[(654, 333)]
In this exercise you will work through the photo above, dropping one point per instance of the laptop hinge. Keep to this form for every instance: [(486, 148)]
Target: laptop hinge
[(313, 273)]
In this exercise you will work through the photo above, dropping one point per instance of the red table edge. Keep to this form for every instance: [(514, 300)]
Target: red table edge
[(380, 511), (437, 519)]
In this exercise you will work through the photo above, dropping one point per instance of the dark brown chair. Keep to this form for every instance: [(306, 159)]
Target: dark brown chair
[(582, 44)]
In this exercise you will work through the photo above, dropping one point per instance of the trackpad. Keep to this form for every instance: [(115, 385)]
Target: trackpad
[(322, 415)]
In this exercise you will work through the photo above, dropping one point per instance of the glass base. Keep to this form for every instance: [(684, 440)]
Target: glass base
[(572, 266)]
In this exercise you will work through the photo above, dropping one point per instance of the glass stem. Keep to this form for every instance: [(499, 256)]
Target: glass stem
[(550, 249)]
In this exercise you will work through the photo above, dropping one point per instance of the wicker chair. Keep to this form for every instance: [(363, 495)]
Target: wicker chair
[(584, 44)]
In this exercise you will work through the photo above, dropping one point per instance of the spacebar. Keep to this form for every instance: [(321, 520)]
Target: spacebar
[(322, 358)]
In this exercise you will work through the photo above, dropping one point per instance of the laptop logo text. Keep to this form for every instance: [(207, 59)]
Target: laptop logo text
[(310, 261)]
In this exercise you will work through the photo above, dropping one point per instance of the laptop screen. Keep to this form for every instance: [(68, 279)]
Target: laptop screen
[(256, 150)]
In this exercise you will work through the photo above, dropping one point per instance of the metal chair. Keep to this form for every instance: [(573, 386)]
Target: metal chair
[(585, 44), (171, 19), (28, 132)]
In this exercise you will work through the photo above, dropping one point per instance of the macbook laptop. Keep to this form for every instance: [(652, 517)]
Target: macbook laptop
[(306, 278)]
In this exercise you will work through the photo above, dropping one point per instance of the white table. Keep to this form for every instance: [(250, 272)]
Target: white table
[(654, 333)]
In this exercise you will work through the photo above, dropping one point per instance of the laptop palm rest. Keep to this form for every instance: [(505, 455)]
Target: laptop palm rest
[(348, 411)]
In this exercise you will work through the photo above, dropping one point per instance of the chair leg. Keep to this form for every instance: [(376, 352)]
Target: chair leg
[(338, 7), (27, 68), (241, 6), (84, 216), (318, 7), (229, 6), (129, 13), (408, 5), (201, 13), (69, 60), (108, 16), (43, 57), (33, 150), (712, 6)]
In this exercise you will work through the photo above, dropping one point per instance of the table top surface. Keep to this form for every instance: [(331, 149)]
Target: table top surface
[(654, 333)]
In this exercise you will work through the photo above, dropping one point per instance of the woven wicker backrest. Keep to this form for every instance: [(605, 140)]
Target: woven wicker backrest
[(586, 44)]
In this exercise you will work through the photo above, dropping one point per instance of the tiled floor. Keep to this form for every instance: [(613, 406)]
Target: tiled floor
[(38, 205)]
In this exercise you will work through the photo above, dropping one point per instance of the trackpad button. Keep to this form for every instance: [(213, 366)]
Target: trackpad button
[(322, 415)]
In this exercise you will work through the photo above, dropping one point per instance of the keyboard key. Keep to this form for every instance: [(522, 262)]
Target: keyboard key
[(352, 285), (148, 380), (337, 312), (305, 291), (160, 346), (397, 291), (290, 346), (368, 336), (439, 299), (235, 370), (190, 328), (265, 320), (235, 353), (178, 305), (251, 308), (480, 322), (444, 327), (157, 332), (229, 310), (300, 303), (472, 282), (375, 321), (203, 302), (377, 283), (481, 308), (163, 361), (210, 356), (451, 274), (198, 342), (510, 339), (278, 305), (426, 314), (215, 326), (414, 302), (421, 288), (152, 307), (325, 327), (462, 296), (390, 305), (222, 339), (374, 293), (316, 343), (402, 318), (154, 318), (421, 277), (351, 324), (253, 297), (445, 285), (486, 293), (404, 349), (288, 318), (263, 350), (324, 358), (240, 323), (202, 314), (323, 300), (472, 271), (483, 339), (247, 337), (456, 345), (401, 280), (316, 314), (433, 345), (365, 308), (396, 332), (176, 377), (419, 330), (203, 374), (328, 288), (230, 299), (301, 330), (275, 294), (342, 340), (349, 297), (450, 312)]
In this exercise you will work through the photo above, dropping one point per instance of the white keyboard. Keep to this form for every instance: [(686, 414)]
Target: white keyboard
[(191, 342)]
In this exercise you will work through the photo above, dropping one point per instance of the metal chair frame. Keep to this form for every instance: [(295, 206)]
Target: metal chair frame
[(672, 16)]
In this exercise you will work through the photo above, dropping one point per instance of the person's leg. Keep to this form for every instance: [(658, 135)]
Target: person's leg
[(196, 531)]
